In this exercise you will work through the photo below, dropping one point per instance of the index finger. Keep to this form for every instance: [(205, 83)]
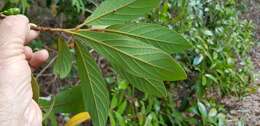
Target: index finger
[(15, 26), (31, 35)]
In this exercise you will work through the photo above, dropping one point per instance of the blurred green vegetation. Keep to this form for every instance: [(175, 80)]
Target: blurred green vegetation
[(218, 65), (221, 42)]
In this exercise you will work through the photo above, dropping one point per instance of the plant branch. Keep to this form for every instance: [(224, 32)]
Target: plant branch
[(49, 29), (81, 25)]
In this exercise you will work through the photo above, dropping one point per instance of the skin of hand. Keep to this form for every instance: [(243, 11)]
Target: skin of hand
[(17, 108)]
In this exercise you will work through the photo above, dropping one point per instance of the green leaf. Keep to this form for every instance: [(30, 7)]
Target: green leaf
[(198, 59), (12, 11), (204, 81), (202, 110), (123, 85), (148, 121), (121, 120), (114, 102), (211, 77), (136, 57), (69, 100), (48, 113), (53, 120), (66, 101), (156, 35), (149, 86), (63, 63), (120, 11), (35, 89), (213, 112), (241, 122), (79, 5), (95, 94), (122, 107), (112, 120), (221, 119)]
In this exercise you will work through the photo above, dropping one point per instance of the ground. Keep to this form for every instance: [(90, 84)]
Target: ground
[(247, 108)]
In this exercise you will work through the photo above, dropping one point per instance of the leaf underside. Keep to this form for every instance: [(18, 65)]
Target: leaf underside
[(156, 35), (95, 94), (149, 86), (69, 100), (134, 56), (63, 63)]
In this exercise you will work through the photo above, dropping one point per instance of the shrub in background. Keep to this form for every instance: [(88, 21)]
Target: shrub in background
[(220, 59)]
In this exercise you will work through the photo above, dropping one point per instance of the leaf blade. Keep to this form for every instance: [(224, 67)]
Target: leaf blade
[(95, 94), (156, 35), (35, 89), (120, 11), (63, 63), (69, 100), (139, 58), (149, 86)]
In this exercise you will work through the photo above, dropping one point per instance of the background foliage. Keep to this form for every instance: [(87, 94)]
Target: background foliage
[(218, 65)]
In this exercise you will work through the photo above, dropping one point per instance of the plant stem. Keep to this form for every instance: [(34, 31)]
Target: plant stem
[(49, 29), (81, 25)]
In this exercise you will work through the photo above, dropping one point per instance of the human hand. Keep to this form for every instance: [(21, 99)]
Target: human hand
[(17, 108)]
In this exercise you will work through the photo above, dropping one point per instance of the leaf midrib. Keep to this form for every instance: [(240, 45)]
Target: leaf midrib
[(92, 90), (100, 42), (134, 35), (138, 36), (109, 12)]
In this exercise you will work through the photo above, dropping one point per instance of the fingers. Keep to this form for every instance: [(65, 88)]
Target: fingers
[(15, 27), (31, 35), (38, 58), (35, 59), (17, 19), (18, 26), (28, 53)]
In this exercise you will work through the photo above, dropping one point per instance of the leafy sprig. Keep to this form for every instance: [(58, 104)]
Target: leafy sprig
[(140, 53)]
